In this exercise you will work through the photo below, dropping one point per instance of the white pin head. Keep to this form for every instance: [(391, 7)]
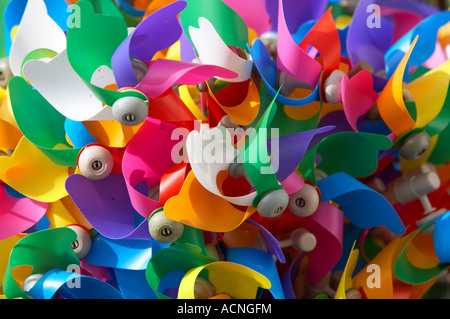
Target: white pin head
[(163, 229), (415, 146), (95, 162), (273, 203), (300, 239), (332, 87), (30, 281), (228, 122), (82, 245), (130, 110), (305, 201), (236, 170), (416, 186)]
